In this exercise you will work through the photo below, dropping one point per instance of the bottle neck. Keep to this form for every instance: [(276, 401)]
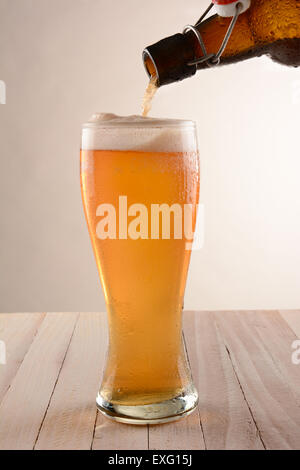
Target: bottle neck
[(268, 27), (176, 57), (168, 60)]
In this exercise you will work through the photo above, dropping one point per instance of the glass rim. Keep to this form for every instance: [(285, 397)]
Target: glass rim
[(141, 123)]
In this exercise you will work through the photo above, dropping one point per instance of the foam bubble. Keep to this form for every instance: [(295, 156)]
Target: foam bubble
[(106, 131)]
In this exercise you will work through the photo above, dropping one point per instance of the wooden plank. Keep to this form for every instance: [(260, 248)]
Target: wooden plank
[(185, 434), (17, 331), (25, 404), (225, 416), (110, 435), (277, 338), (272, 403), (292, 317), (241, 362), (71, 416)]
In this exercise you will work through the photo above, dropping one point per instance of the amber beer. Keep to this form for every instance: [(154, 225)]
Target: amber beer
[(126, 163)]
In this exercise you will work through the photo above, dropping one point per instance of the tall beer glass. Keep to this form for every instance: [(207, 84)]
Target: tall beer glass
[(140, 184)]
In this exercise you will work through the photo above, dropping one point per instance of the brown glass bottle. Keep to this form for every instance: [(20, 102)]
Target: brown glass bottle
[(269, 27)]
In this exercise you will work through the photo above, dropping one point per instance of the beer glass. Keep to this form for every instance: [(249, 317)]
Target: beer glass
[(140, 189)]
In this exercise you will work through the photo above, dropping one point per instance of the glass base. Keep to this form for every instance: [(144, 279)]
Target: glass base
[(155, 413)]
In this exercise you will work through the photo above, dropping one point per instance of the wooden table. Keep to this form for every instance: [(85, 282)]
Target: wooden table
[(242, 365)]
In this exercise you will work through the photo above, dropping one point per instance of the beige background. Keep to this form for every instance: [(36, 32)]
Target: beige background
[(63, 59)]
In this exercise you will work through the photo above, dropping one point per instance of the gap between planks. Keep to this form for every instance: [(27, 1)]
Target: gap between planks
[(17, 331), (259, 345), (225, 415), (24, 405), (236, 406)]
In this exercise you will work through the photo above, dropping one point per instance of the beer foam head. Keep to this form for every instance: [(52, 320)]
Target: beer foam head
[(106, 131)]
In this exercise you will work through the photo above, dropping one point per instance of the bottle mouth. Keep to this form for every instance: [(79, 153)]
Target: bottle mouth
[(169, 59), (150, 66)]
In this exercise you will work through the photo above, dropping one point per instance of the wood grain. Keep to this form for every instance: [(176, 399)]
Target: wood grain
[(110, 435), (25, 404), (277, 338), (180, 435), (292, 317), (71, 416), (17, 331), (272, 403), (248, 386), (225, 416)]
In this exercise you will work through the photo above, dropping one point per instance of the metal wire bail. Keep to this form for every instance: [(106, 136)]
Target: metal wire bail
[(212, 59)]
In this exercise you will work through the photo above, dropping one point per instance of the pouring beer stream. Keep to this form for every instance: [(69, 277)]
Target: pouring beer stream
[(149, 95)]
